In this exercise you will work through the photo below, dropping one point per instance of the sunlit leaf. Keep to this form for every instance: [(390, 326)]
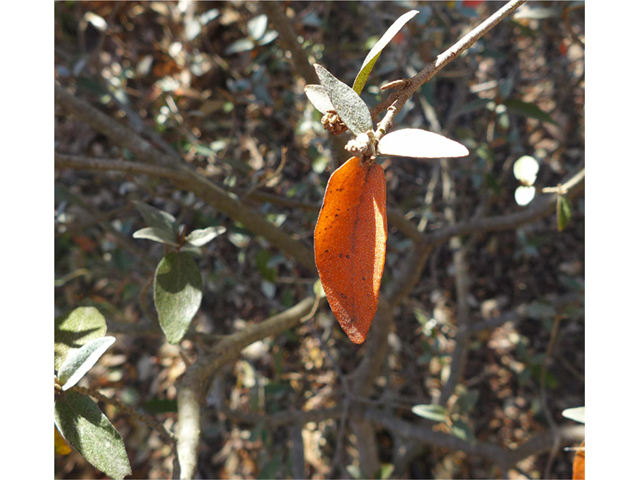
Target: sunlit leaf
[(535, 13), (177, 293), (374, 53), (267, 38), (318, 291), (526, 169), (157, 235), (350, 244), (350, 107), (416, 143), (74, 330), (524, 194), (89, 431), (437, 413), (354, 471), (257, 26), (80, 361), (576, 414), (240, 45), (317, 95), (201, 237)]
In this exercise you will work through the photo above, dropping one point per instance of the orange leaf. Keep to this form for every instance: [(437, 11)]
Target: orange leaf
[(350, 241), (578, 464), (61, 445)]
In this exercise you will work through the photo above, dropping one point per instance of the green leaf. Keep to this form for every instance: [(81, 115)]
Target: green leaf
[(84, 426), (563, 211), (462, 430), (354, 471), (74, 330), (271, 469), (317, 95), (161, 221), (437, 413), (177, 293), (262, 260), (528, 110), (198, 238), (80, 361), (375, 52), (350, 107), (576, 414), (318, 290), (416, 143), (386, 469), (157, 235), (467, 400)]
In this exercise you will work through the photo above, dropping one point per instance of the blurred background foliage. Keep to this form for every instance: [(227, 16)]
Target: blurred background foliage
[(210, 80)]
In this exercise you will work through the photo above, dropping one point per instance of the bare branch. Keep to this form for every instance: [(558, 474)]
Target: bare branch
[(191, 383), (189, 180), (401, 96)]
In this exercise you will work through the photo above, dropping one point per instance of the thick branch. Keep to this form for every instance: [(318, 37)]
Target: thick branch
[(503, 457), (193, 379), (289, 40), (188, 179)]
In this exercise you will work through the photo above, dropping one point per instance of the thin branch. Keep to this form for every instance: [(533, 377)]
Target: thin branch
[(541, 207), (400, 97)]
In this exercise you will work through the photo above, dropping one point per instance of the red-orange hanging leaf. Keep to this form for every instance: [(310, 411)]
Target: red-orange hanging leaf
[(578, 464), (350, 243)]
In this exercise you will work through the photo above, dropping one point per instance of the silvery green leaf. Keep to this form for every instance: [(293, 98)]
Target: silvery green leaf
[(177, 293), (74, 330), (84, 426), (350, 107), (257, 26), (317, 95), (157, 235), (203, 236), (437, 413), (157, 218), (80, 361)]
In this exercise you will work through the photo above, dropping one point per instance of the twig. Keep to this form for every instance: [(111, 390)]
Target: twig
[(401, 96), (542, 206)]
